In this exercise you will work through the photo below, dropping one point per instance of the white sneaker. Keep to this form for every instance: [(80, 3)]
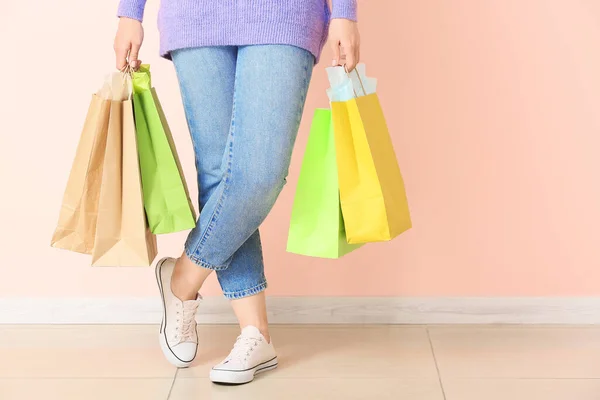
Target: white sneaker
[(178, 337), (251, 355)]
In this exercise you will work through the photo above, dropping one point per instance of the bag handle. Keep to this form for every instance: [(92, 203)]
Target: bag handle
[(117, 87), (127, 72), (359, 79)]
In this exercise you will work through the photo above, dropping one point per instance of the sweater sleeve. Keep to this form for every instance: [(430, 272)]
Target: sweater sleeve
[(131, 9), (345, 9)]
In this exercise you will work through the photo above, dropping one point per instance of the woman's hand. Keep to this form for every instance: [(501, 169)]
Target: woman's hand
[(128, 41), (344, 40)]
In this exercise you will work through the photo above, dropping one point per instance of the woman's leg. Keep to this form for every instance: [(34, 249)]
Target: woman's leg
[(206, 77), (207, 99), (271, 82), (270, 91)]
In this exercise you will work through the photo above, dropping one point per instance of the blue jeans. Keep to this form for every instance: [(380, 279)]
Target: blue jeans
[(243, 107)]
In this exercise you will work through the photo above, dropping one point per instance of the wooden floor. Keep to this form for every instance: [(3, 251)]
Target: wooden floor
[(316, 362)]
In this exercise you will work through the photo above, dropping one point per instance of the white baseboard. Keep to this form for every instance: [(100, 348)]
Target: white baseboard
[(316, 310)]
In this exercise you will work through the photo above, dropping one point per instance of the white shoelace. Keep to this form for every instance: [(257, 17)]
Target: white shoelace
[(186, 322), (242, 348)]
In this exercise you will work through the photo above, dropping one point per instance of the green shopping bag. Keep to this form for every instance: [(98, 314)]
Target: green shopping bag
[(166, 199), (317, 227)]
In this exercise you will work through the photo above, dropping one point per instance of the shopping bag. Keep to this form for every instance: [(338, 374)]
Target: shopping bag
[(372, 192), (316, 226), (122, 234), (76, 227), (166, 198)]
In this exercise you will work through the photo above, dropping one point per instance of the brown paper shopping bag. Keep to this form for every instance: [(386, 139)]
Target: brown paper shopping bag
[(76, 226), (122, 234)]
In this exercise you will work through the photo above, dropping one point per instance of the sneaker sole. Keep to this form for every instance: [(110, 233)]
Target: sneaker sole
[(162, 339), (241, 377)]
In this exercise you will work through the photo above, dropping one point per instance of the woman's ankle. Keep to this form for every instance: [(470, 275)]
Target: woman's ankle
[(262, 327), (180, 283), (266, 334), (179, 289)]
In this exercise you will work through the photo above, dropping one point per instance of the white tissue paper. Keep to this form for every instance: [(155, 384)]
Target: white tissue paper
[(344, 86)]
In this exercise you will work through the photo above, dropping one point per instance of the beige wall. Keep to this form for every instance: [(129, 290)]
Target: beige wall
[(493, 106)]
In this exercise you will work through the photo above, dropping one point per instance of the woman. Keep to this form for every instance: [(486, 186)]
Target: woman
[(244, 68)]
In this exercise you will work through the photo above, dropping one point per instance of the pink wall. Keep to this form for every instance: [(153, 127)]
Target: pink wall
[(493, 106)]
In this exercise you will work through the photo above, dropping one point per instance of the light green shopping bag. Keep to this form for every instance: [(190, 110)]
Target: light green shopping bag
[(317, 227), (166, 199)]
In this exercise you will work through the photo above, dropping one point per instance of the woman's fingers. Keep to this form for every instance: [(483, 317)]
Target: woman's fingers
[(335, 48), (128, 41), (351, 52), (133, 56), (345, 42), (121, 52)]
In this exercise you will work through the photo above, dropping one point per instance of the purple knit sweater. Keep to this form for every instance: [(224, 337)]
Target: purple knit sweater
[(195, 23)]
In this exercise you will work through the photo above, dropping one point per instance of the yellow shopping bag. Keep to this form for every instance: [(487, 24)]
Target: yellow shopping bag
[(372, 193)]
